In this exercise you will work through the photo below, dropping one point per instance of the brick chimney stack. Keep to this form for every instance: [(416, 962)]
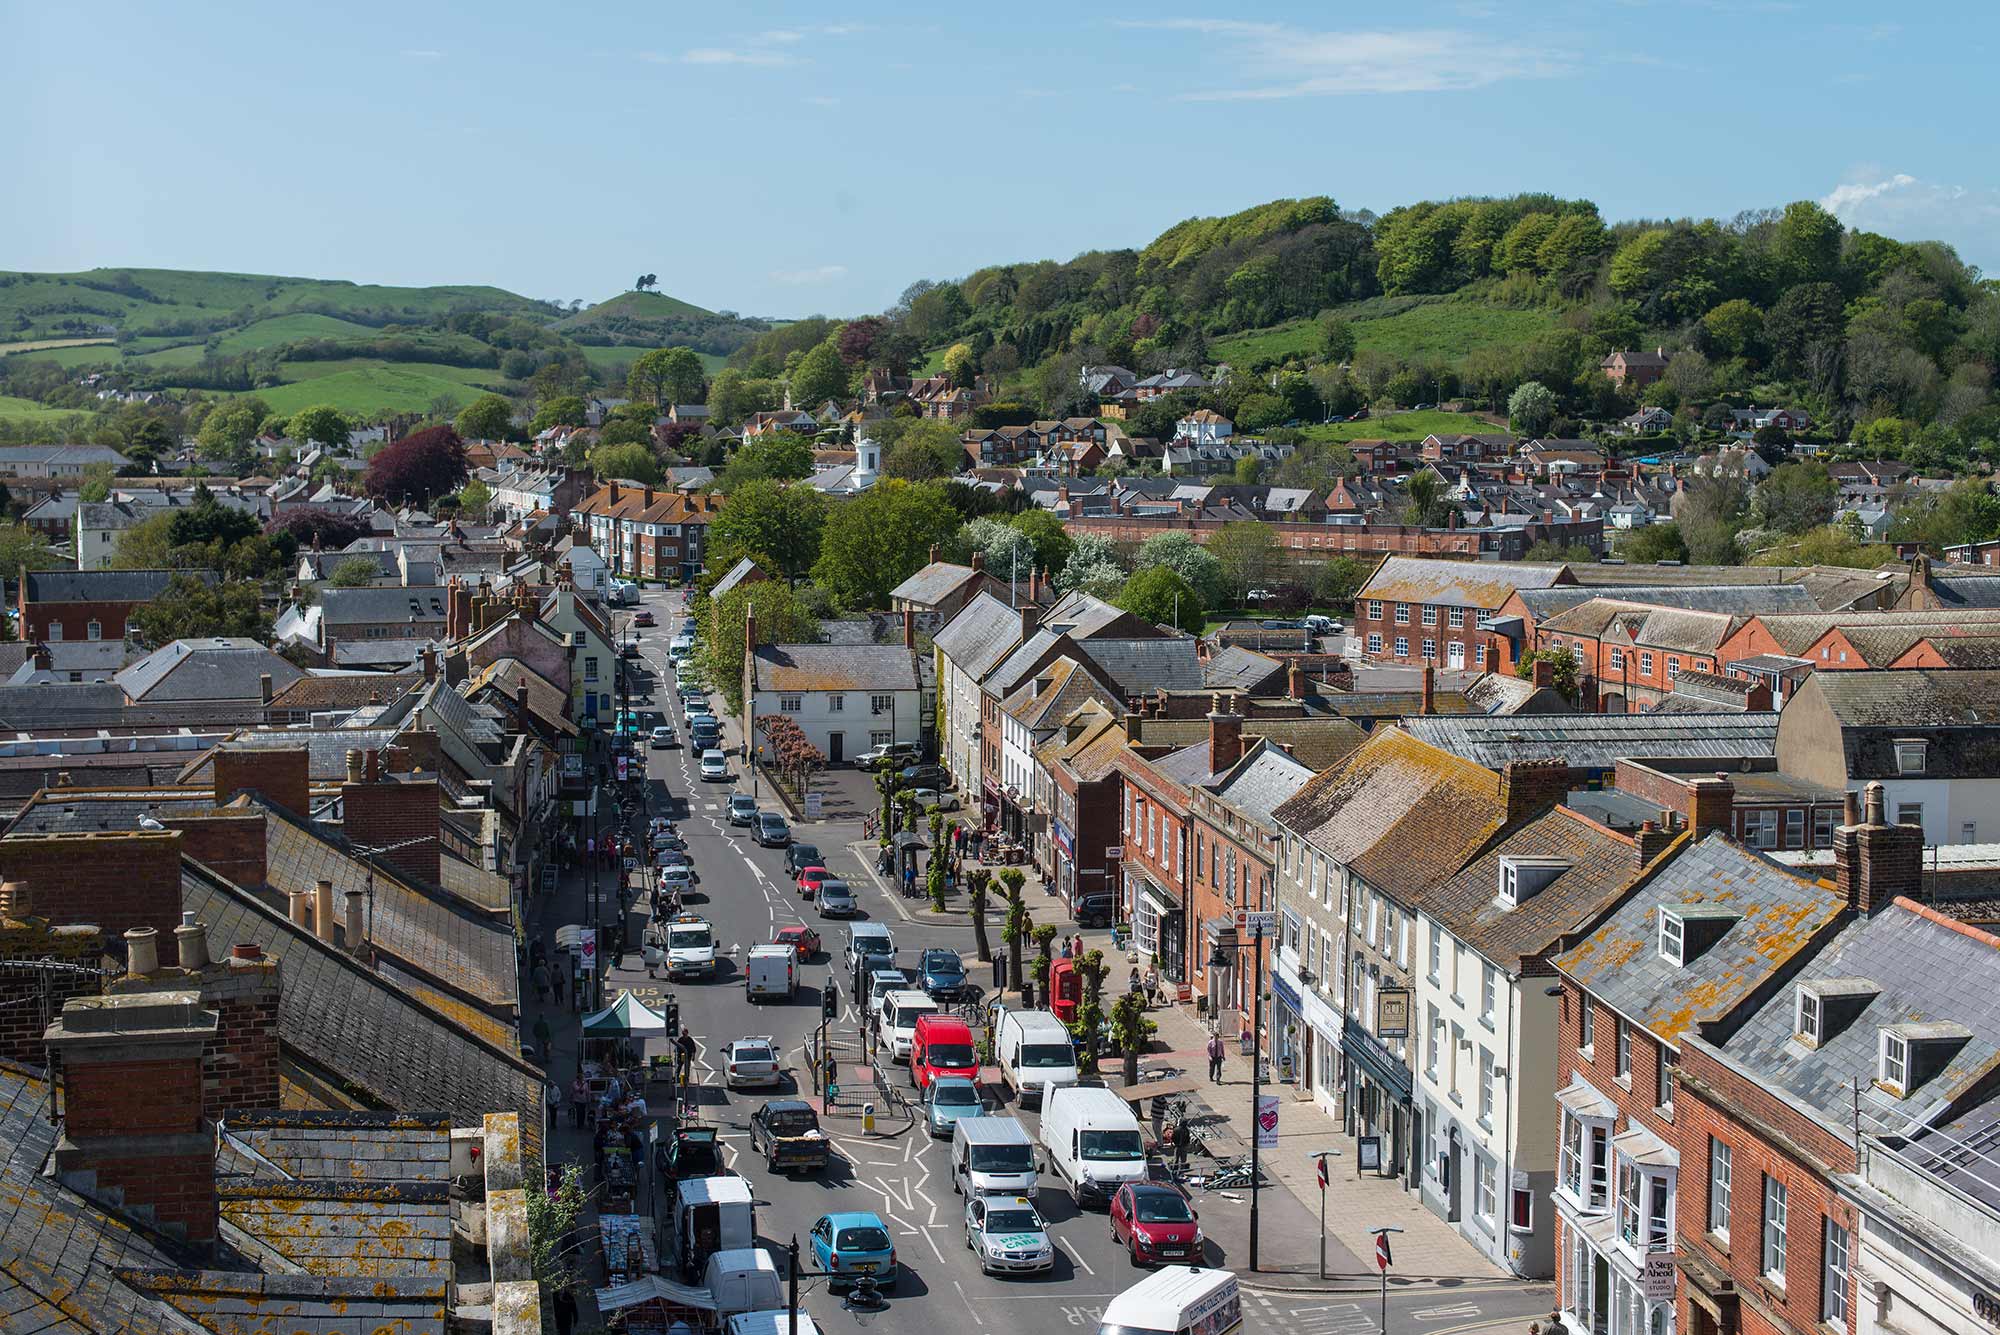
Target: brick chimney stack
[(134, 1136), (116, 880), (1711, 805), (1650, 841), (1528, 786), (1295, 681), (1875, 861), (281, 777), (1031, 617), (909, 628), (1544, 672), (1225, 735), (1429, 705)]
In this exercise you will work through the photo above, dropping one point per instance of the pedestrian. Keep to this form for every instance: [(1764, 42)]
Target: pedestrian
[(1137, 984), (544, 1038), (579, 1100), (1215, 1051), (684, 1050), (1181, 1139), (1065, 948), (541, 976), (1152, 985), (565, 1312), (556, 983)]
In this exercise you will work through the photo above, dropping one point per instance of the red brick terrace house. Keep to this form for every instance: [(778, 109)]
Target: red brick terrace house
[(87, 604), (1418, 610)]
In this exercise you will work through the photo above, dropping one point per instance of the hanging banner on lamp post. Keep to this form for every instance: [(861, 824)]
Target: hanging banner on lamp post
[(1267, 1121)]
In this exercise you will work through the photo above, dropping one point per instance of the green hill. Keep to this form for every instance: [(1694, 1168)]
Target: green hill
[(642, 320)]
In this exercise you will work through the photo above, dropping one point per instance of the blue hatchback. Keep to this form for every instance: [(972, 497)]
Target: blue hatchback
[(942, 974), (947, 1099), (851, 1244)]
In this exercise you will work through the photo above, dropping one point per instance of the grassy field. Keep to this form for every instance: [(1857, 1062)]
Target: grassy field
[(1402, 426), (370, 389), (1415, 329), (49, 345), (29, 409), (477, 376), (286, 329)]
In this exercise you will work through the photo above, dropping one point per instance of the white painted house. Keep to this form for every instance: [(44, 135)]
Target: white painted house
[(846, 698), (1204, 426)]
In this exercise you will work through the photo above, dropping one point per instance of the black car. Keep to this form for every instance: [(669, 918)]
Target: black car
[(799, 856), (1093, 910), (693, 1152), (924, 776)]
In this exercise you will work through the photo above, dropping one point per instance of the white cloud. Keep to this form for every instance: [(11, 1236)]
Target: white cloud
[(825, 273), (1280, 61), (1908, 208), (718, 55)]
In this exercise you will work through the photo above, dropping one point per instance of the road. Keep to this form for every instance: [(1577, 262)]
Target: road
[(900, 1173)]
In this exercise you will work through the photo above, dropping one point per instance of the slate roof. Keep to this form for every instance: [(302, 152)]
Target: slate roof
[(1264, 777), (1597, 741), (1781, 914), (230, 1303), (933, 584), (1414, 579), (1401, 814), (1968, 651), (834, 667), (317, 693), (347, 1226), (1319, 741), (1912, 697), (1239, 668), (386, 606), (326, 749), (59, 1253), (1601, 865), (213, 669), (372, 1040), (380, 1147), (735, 575), (1139, 667), (1981, 591), (103, 586), (1067, 687)]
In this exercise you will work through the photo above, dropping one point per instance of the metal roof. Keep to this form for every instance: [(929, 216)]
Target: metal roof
[(1596, 741)]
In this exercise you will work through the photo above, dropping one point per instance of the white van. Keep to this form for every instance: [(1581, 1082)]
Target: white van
[(1179, 1300), (1093, 1141), (1034, 1053), (771, 971), (899, 1021), (778, 1321), (992, 1155), (872, 940), (743, 1279)]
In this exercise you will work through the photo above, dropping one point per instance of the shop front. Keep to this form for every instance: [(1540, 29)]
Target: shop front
[(1063, 846), (1291, 1044), (1158, 924), (1378, 1098)]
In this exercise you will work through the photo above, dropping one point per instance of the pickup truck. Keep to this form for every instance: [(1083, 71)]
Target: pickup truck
[(787, 1131)]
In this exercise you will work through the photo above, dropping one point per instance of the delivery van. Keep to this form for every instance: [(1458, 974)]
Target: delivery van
[(771, 971), (899, 1021), (743, 1279), (1179, 1300), (1093, 1142), (941, 1045), (992, 1156), (1034, 1053)]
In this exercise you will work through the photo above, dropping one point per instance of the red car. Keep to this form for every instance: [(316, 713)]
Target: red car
[(802, 938), (642, 617), (809, 879), (1156, 1224)]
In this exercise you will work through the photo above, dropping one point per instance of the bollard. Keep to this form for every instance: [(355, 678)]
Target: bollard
[(868, 1118)]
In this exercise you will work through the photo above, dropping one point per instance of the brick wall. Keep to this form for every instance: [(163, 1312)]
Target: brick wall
[(75, 619), (114, 881), (230, 842), (389, 812), (240, 1065), (1766, 1137), (283, 777), (29, 1001)]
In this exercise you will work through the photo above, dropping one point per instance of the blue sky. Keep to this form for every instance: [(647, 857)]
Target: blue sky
[(786, 159)]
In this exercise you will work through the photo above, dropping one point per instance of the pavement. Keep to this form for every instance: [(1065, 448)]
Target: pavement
[(902, 1174)]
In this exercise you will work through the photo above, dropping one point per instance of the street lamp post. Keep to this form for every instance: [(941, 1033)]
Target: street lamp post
[(1221, 960)]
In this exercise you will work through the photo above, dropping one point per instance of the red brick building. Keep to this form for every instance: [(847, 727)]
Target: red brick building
[(87, 604), (1442, 612)]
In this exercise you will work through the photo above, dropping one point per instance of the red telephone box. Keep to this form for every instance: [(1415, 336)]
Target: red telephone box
[(1065, 989)]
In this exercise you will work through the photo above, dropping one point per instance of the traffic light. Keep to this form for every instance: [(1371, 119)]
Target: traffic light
[(829, 1001), (671, 1012)]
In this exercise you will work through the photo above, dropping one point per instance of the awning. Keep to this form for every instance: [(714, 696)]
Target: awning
[(647, 1288), (1283, 989), (1219, 928), (1376, 1061), (1163, 902), (1584, 1101), (624, 1018), (1149, 1089), (1644, 1148)]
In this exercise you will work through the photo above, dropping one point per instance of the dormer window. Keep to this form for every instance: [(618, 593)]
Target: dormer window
[(1893, 1066), (1823, 1007), (1911, 755), (1910, 1055), (1673, 937), (1806, 1021), (1521, 879)]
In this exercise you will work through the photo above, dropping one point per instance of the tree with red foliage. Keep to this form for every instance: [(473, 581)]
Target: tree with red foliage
[(419, 467), (788, 750), (857, 338), (669, 435), (318, 527)]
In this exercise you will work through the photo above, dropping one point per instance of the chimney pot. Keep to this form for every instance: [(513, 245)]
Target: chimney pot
[(142, 952), (323, 911), (357, 934), (354, 766), (1876, 803), (301, 908), (191, 943), (246, 950)]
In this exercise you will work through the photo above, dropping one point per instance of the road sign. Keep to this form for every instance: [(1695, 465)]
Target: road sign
[(1382, 1256), (813, 804), (1256, 924), (1321, 1170)]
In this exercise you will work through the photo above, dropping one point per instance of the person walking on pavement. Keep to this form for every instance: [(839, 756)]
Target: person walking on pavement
[(1181, 1139), (1152, 985), (541, 977), (544, 1038), (556, 983), (1216, 1049), (579, 1099)]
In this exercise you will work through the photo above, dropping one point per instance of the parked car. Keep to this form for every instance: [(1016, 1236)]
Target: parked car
[(714, 766), (751, 1062), (1094, 910), (923, 776), (1156, 1224), (743, 809), (799, 856), (801, 938), (836, 900), (900, 753), (772, 832), (853, 1243), (662, 738)]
